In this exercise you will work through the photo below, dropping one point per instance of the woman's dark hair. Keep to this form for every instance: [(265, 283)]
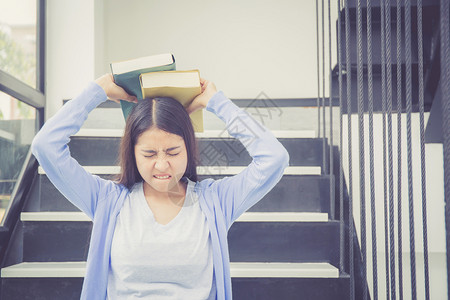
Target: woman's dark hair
[(163, 113)]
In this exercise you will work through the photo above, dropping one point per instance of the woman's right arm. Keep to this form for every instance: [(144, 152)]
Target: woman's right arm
[(50, 147)]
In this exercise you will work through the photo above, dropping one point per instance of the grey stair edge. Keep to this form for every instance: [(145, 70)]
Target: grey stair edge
[(245, 217), (205, 170), (91, 132), (238, 269)]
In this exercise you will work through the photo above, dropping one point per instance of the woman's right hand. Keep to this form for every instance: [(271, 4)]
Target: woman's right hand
[(113, 91), (201, 100)]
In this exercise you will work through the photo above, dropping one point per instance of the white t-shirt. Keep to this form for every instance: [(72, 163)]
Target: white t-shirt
[(154, 261)]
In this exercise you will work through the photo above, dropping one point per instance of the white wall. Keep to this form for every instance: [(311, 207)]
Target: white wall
[(245, 47), (70, 50)]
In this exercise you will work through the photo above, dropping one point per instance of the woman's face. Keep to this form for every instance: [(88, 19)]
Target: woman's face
[(161, 154)]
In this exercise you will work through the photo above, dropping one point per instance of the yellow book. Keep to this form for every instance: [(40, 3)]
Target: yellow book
[(183, 86)]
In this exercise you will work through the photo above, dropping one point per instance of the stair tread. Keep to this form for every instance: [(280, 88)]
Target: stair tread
[(276, 269), (245, 217), (205, 170), (238, 269), (93, 132)]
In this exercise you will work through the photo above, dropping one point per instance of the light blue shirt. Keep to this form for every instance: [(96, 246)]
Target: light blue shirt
[(222, 201)]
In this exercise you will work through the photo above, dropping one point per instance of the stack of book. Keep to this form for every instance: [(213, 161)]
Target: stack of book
[(156, 76)]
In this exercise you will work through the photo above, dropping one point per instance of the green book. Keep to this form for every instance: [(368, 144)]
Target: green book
[(126, 74)]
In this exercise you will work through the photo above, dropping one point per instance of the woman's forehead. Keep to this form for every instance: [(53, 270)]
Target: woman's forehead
[(159, 139)]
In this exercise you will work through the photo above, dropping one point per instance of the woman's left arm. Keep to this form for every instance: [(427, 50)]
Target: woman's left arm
[(240, 192)]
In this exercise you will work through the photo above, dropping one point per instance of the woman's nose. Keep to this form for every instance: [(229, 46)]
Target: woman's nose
[(161, 163)]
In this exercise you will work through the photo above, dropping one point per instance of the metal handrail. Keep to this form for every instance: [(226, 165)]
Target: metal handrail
[(18, 197)]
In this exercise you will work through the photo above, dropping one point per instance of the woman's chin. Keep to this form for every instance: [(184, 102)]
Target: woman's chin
[(163, 185)]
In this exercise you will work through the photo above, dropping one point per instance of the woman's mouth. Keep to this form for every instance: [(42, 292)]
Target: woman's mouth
[(162, 177)]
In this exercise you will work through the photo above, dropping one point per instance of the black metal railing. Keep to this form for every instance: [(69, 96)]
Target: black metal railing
[(445, 101), (384, 74)]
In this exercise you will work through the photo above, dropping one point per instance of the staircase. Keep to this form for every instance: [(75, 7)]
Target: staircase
[(430, 50), (286, 246)]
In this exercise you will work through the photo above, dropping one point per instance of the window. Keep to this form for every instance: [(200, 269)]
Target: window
[(17, 129), (22, 98), (18, 40)]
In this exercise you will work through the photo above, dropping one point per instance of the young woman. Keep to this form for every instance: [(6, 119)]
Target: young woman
[(158, 232)]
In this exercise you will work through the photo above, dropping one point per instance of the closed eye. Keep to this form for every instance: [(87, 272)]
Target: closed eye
[(167, 154)]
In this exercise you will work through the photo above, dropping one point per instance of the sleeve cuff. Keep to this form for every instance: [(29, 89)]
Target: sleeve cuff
[(98, 95), (215, 100)]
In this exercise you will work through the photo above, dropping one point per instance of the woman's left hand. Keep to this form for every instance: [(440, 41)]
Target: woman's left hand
[(201, 101)]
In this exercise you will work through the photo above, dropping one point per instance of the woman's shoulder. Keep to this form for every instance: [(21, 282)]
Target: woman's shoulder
[(197, 185), (117, 192), (206, 184)]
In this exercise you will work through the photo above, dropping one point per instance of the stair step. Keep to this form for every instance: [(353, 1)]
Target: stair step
[(293, 193), (45, 269), (239, 269), (377, 91), (352, 4), (282, 217), (291, 288), (253, 237), (203, 170), (284, 242), (48, 216), (292, 270), (103, 151), (376, 34), (281, 114), (88, 132), (42, 288)]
